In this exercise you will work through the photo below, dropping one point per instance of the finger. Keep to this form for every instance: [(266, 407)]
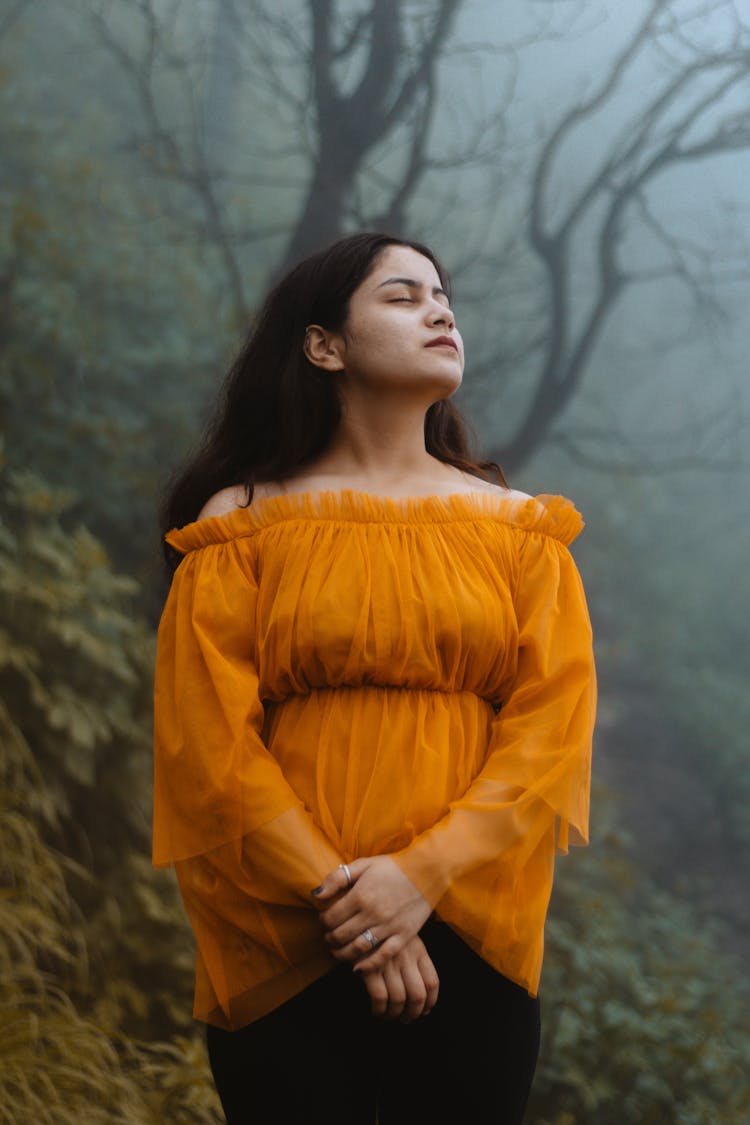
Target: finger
[(431, 983), (416, 992), (356, 938), (378, 993), (347, 932), (335, 882), (348, 927), (345, 956), (355, 950), (380, 957), (396, 991), (348, 901)]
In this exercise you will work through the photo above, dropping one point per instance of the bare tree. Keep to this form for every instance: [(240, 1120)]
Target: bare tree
[(396, 83), (179, 156), (298, 69), (367, 146), (696, 110)]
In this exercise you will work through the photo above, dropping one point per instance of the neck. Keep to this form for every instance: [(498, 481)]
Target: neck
[(380, 442)]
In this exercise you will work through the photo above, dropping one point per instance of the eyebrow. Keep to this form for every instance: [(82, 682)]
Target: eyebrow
[(413, 284)]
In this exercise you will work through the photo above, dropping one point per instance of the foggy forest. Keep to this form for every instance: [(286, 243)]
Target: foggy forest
[(582, 168)]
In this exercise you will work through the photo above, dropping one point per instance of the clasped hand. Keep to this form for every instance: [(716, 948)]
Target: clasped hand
[(382, 900), (399, 975)]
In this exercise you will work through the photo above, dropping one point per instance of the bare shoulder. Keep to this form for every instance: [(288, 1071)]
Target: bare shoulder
[(503, 493), (514, 494), (225, 501), (229, 499)]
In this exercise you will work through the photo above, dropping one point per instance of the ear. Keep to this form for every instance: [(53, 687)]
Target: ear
[(323, 348)]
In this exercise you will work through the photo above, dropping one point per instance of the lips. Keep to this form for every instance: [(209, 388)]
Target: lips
[(443, 342)]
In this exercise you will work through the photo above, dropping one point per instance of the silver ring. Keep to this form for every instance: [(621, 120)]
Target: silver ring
[(374, 943), (345, 868)]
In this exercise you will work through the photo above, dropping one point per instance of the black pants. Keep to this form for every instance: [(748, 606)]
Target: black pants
[(323, 1059)]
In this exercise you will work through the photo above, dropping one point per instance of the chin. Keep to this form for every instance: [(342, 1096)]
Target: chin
[(448, 387), (433, 385)]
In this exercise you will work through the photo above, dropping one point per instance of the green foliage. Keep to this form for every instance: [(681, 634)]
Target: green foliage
[(93, 942), (76, 670), (645, 1021), (59, 1064)]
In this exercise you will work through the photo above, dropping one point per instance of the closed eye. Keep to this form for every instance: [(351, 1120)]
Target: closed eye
[(396, 300)]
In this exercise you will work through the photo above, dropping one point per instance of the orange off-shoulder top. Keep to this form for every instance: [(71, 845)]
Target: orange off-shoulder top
[(343, 675)]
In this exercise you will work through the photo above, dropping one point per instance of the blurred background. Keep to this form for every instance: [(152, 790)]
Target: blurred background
[(582, 168)]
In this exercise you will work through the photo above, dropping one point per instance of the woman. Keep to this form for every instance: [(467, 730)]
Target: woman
[(374, 704)]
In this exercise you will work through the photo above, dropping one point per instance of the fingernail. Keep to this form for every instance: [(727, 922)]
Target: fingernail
[(316, 890)]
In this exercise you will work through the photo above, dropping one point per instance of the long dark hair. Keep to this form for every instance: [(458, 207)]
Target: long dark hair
[(277, 411)]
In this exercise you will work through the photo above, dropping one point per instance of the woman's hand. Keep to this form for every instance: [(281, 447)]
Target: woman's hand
[(407, 986), (382, 900)]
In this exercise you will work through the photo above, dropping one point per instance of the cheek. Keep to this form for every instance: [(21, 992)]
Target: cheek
[(378, 341), (366, 332)]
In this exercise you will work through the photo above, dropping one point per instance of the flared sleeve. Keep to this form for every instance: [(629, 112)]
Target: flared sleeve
[(533, 788), (218, 792)]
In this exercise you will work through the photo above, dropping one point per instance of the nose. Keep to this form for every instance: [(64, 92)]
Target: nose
[(442, 316)]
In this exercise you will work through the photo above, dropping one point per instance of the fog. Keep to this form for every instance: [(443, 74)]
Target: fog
[(582, 169)]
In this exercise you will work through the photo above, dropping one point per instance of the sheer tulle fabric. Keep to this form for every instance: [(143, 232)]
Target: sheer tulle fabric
[(340, 675)]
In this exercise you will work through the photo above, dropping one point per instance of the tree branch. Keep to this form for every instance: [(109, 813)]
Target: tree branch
[(633, 161), (170, 159)]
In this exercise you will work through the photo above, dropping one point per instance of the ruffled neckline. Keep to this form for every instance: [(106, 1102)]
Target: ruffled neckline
[(555, 516)]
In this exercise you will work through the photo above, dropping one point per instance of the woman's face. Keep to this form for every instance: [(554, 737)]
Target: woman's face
[(400, 332)]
